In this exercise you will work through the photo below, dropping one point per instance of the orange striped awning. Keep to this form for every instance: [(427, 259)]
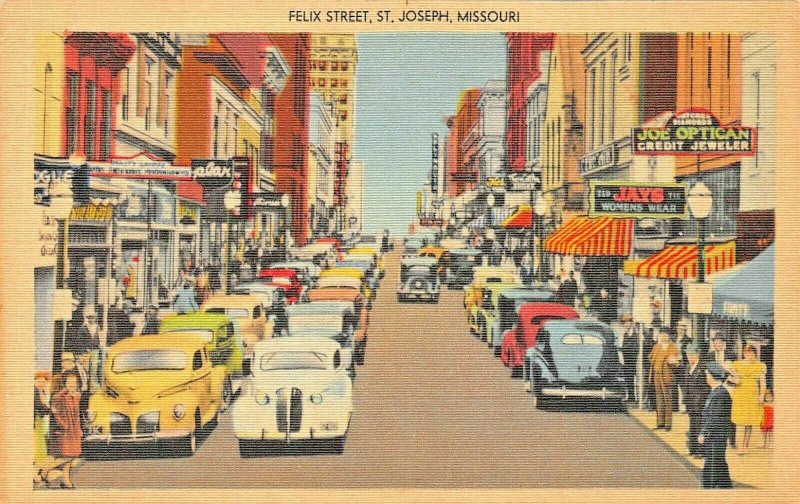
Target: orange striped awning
[(520, 218), (680, 261), (603, 236)]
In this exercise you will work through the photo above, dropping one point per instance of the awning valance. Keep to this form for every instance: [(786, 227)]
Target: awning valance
[(520, 218), (747, 292), (680, 261), (604, 236)]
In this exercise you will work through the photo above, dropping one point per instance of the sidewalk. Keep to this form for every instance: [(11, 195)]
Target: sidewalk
[(753, 469)]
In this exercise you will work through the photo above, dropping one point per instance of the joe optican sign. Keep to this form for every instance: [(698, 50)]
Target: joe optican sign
[(694, 133), (625, 199)]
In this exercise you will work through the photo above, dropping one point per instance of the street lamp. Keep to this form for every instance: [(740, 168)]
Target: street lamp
[(490, 200), (700, 203), (540, 208)]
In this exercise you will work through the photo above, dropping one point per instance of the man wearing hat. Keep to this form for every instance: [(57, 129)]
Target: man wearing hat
[(664, 357), (628, 353), (715, 429), (695, 393)]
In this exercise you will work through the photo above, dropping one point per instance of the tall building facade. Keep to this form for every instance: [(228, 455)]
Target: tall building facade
[(354, 212), (492, 130)]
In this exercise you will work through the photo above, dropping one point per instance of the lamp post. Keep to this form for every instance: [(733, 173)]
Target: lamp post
[(700, 203), (60, 205), (232, 201), (540, 209)]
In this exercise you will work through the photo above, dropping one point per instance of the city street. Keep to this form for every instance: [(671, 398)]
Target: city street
[(432, 409)]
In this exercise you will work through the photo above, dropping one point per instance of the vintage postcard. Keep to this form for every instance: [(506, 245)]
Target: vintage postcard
[(374, 246)]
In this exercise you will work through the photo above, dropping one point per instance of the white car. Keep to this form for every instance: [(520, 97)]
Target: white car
[(299, 391)]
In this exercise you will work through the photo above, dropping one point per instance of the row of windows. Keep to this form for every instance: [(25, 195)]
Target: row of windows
[(152, 93), (322, 82), (96, 141), (335, 66)]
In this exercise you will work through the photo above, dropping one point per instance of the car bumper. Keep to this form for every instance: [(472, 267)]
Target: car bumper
[(108, 439), (602, 393)]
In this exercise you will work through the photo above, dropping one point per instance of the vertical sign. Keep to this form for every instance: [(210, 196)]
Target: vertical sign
[(435, 163), (419, 203)]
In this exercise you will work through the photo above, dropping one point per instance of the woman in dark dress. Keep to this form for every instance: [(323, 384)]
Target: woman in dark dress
[(715, 430)]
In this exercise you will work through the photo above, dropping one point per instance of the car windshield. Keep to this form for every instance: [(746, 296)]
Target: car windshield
[(418, 271), (149, 360), (293, 360), (581, 339), (206, 334), (236, 313), (315, 321)]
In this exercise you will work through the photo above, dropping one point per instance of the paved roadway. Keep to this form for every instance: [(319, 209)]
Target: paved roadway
[(432, 409)]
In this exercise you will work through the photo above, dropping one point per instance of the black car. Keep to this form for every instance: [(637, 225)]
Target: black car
[(460, 268), (419, 279)]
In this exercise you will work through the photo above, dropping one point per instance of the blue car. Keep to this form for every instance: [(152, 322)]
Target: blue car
[(574, 358)]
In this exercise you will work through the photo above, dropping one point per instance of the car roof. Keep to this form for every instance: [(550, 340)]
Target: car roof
[(277, 272), (526, 293), (418, 261), (334, 307), (334, 293), (309, 343), (339, 281), (257, 287), (196, 320), (562, 327), (232, 300), (362, 265), (313, 332), (499, 287), (185, 341), (336, 271), (536, 309)]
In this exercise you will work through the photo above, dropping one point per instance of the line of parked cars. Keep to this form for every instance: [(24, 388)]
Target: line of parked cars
[(280, 351), (544, 342)]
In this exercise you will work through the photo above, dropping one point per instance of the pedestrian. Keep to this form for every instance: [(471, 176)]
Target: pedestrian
[(605, 308), (695, 392), (119, 323), (184, 299), (749, 375), (720, 354), (768, 419), (67, 426), (715, 429), (41, 414), (151, 322), (202, 288), (628, 350), (130, 281), (526, 270), (570, 291), (663, 359)]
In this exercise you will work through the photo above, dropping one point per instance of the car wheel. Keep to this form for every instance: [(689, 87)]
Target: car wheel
[(337, 445), (190, 442)]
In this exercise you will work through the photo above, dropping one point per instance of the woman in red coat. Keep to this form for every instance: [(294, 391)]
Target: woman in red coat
[(67, 433)]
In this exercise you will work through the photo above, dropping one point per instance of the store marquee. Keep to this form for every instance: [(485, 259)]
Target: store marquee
[(631, 199), (694, 133)]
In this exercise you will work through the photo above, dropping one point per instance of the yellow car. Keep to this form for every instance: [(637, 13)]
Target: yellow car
[(440, 254), (156, 388), (350, 273), (374, 252), (473, 293), (247, 312)]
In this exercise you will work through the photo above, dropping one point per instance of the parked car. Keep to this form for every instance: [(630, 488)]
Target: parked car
[(300, 389), (441, 255), (334, 315), (156, 388), (320, 254), (282, 277), (351, 273), (522, 335), (574, 358), (370, 277), (350, 295), (248, 312), (273, 297), (473, 292), (336, 245), (411, 245), (485, 308), (503, 315), (418, 280), (460, 268), (374, 251), (222, 337), (307, 271)]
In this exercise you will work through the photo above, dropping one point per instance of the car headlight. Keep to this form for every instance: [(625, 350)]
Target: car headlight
[(262, 398), (178, 411), (91, 415), (316, 398)]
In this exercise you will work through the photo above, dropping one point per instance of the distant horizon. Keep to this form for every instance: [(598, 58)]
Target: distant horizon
[(406, 84)]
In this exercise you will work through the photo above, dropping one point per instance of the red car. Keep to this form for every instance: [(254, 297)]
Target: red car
[(284, 278), (530, 318), (335, 243)]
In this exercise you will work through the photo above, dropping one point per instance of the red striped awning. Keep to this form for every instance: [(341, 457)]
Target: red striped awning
[(520, 218), (680, 261), (604, 236)]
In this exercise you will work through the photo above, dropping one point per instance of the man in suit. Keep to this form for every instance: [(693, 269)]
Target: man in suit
[(570, 289), (715, 429), (664, 357), (628, 353), (695, 392)]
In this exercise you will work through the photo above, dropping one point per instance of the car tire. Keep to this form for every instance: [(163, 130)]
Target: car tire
[(352, 372), (436, 299), (336, 445), (497, 351)]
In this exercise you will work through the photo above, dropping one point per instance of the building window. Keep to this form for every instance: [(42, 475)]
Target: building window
[(73, 82), (592, 106), (559, 148), (166, 104), (602, 94), (105, 124), (344, 66), (334, 66), (90, 120), (148, 91), (343, 99), (125, 86), (334, 83), (322, 82), (344, 83), (313, 65), (323, 65)]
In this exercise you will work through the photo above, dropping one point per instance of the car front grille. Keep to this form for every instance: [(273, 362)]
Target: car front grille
[(120, 425), (148, 423), (289, 410)]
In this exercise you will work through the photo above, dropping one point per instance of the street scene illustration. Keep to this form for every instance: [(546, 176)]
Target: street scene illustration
[(444, 260)]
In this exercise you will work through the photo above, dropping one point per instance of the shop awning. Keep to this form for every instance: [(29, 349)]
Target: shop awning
[(680, 261), (604, 236), (520, 218), (747, 291), (190, 190)]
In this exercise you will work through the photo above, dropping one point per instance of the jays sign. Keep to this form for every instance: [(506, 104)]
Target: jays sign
[(694, 133), (628, 199)]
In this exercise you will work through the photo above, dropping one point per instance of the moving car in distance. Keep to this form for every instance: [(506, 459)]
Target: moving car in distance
[(361, 313), (473, 293), (418, 280), (299, 392), (460, 267), (157, 389), (574, 358), (522, 336)]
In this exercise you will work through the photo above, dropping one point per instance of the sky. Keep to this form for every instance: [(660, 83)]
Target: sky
[(406, 84)]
